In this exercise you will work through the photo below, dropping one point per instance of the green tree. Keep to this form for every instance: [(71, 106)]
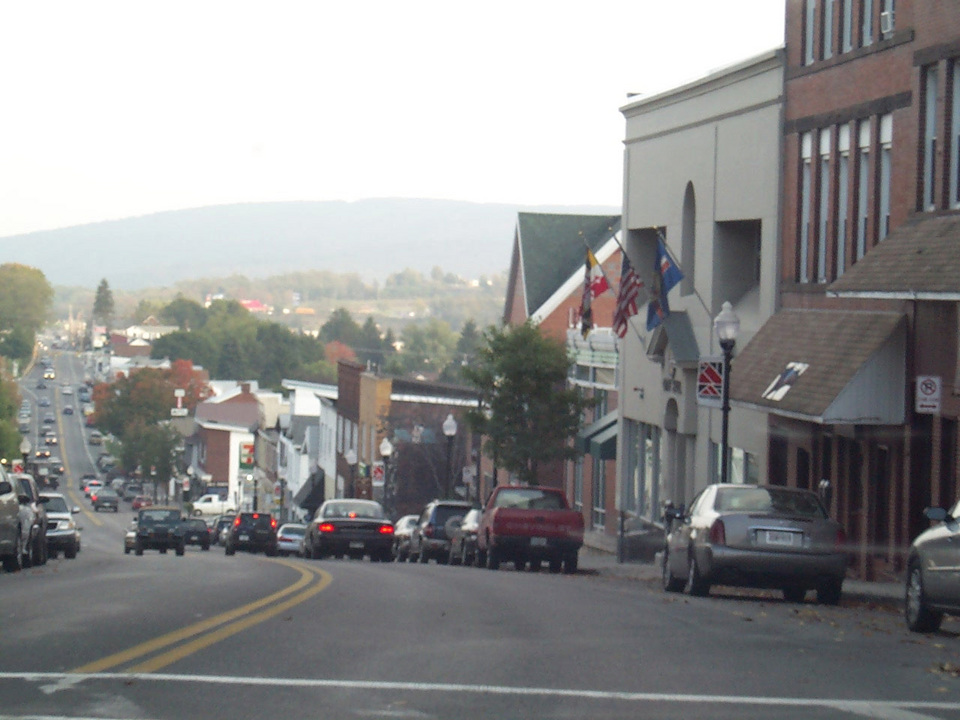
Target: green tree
[(185, 314), (428, 346), (342, 327), (147, 308), (103, 305), (369, 343), (195, 346), (529, 414), (25, 301)]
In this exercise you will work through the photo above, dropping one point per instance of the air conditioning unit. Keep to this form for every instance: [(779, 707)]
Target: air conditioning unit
[(886, 22)]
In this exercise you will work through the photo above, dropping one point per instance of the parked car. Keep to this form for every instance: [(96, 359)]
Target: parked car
[(33, 515), (195, 532), (932, 587), (529, 524), (254, 532), (430, 539), (131, 491), (63, 533), (290, 538), (463, 541), (755, 536), (349, 527), (95, 438), (140, 502), (212, 504), (159, 528), (401, 537), (12, 534), (130, 538), (105, 498)]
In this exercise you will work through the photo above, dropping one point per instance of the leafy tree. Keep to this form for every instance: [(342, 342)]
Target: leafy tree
[(147, 308), (193, 382), (369, 343), (531, 414), (428, 347), (143, 398), (341, 327), (17, 343), (195, 346), (103, 305), (336, 351), (25, 301), (185, 314)]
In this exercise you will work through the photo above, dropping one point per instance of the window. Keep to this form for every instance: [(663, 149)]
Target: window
[(827, 29), (929, 140), (578, 485), (823, 231), (843, 180), (846, 26), (867, 27), (642, 491), (599, 514), (888, 17), (863, 187), (806, 150), (809, 15), (886, 142), (954, 134)]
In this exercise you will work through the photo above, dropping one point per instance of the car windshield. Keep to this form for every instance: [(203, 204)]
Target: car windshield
[(148, 517), (769, 500), (56, 504), (529, 499), (293, 530)]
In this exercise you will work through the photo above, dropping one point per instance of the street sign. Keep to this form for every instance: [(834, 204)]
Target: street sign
[(710, 382), (928, 394), (246, 456), (378, 474), (178, 412)]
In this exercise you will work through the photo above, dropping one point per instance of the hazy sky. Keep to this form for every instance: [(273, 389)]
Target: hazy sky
[(113, 109)]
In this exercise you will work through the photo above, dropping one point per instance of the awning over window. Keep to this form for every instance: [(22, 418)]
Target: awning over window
[(603, 445), (311, 494), (825, 366), (584, 436)]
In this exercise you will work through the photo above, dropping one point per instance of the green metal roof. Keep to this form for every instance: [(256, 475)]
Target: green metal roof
[(553, 248)]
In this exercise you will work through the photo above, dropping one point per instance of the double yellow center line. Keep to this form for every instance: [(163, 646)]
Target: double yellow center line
[(208, 632)]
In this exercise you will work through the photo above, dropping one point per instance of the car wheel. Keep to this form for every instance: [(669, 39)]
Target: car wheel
[(534, 565), (452, 557), (695, 583), (126, 549), (794, 593), (52, 554), (493, 558), (464, 557), (829, 592), (40, 550), (205, 547), (919, 616), (163, 551), (570, 563), (271, 552), (181, 550), (14, 561), (519, 565), (480, 559), (138, 549), (667, 580), (422, 557), (555, 564)]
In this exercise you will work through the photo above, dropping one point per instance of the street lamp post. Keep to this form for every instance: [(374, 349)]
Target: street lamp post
[(726, 325), (386, 450), (450, 430), (351, 457)]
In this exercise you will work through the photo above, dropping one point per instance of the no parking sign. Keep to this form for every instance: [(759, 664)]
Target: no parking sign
[(928, 394)]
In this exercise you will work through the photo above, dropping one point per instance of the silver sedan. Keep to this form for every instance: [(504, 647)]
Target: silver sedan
[(933, 580), (761, 536)]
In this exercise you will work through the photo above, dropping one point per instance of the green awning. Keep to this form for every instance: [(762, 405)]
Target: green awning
[(582, 442), (604, 444)]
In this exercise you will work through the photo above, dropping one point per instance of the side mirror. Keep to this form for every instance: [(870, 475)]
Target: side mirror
[(825, 491), (937, 514), (75, 509), (5, 487)]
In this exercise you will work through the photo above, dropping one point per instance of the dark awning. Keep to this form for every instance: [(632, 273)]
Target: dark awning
[(825, 366), (582, 443), (604, 445), (311, 494)]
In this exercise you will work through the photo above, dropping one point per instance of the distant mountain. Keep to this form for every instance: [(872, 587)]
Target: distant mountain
[(373, 238)]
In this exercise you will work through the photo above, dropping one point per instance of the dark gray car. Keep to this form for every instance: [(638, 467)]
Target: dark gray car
[(933, 584)]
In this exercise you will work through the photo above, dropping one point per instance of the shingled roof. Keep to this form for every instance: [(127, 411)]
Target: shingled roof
[(919, 259), (551, 249), (826, 366)]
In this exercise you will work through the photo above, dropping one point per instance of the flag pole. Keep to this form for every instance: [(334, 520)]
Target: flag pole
[(643, 343)]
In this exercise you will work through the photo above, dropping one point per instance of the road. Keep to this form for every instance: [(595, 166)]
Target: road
[(110, 635)]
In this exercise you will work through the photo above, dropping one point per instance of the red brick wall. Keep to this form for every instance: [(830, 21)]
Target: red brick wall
[(217, 462)]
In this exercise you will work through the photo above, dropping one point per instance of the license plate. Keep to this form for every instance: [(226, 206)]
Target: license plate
[(775, 537), (244, 537), (538, 542), (356, 545)]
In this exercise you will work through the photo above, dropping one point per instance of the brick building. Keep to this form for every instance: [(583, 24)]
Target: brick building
[(868, 240)]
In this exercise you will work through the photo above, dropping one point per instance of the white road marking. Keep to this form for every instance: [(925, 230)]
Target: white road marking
[(882, 710)]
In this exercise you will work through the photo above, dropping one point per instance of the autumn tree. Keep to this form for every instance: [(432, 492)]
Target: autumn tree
[(529, 414)]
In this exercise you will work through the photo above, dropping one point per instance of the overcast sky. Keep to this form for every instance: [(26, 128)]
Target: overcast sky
[(115, 109)]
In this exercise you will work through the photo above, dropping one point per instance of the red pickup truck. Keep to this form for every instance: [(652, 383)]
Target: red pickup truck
[(529, 524)]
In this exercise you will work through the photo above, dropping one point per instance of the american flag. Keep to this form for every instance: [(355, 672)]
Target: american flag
[(630, 285)]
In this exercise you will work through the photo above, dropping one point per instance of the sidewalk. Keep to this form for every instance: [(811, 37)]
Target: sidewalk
[(595, 561)]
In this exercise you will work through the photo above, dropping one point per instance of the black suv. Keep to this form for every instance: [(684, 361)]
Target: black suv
[(159, 528), (253, 532), (431, 537), (196, 532)]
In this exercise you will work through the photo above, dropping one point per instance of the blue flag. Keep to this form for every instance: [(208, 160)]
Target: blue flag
[(666, 275)]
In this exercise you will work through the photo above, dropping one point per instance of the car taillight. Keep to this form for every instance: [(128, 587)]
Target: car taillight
[(273, 523), (236, 521), (325, 527), (718, 533), (840, 542), (386, 529)]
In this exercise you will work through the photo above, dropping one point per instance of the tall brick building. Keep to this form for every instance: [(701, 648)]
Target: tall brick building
[(869, 276)]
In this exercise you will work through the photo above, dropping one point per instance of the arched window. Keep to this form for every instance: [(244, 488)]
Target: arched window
[(688, 240)]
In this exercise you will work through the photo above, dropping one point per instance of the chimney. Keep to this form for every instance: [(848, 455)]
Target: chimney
[(245, 388)]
